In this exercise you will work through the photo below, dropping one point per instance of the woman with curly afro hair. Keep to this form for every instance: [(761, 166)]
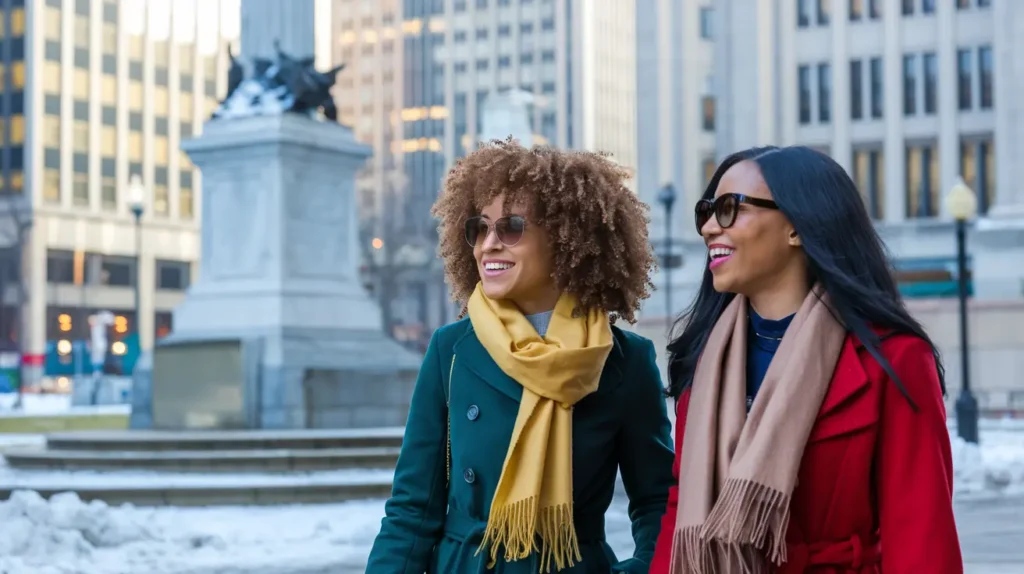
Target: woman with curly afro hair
[(525, 411)]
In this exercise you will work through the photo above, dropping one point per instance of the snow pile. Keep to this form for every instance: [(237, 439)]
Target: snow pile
[(64, 530), (67, 536), (996, 466)]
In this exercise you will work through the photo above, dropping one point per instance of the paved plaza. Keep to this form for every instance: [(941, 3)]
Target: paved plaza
[(991, 534)]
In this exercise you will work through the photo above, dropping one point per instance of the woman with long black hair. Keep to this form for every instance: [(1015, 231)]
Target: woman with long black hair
[(811, 430)]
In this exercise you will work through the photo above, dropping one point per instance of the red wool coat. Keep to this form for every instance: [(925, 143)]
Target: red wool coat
[(876, 480)]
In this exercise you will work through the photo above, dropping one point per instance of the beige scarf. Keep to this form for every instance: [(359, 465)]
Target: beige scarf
[(533, 499), (738, 470)]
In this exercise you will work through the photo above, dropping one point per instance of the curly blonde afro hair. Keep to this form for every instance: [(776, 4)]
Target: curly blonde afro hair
[(598, 227)]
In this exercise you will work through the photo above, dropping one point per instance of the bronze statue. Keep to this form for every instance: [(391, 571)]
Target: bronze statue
[(287, 84)]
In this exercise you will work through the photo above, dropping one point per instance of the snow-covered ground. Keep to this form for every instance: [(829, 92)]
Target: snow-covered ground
[(34, 404), (67, 536), (996, 466)]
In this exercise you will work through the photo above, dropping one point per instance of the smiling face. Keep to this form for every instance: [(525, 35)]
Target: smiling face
[(521, 272), (760, 251)]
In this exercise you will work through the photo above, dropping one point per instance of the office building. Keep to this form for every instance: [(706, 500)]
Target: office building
[(908, 96), (95, 92)]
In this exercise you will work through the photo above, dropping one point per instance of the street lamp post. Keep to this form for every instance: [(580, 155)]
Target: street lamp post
[(962, 204), (137, 203), (667, 197)]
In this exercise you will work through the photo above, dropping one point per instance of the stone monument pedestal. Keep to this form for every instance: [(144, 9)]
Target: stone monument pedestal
[(278, 332)]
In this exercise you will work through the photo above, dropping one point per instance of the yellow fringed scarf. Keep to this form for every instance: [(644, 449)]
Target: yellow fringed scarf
[(534, 494)]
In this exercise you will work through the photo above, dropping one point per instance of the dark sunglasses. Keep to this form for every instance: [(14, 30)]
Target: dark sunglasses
[(725, 207), (509, 230)]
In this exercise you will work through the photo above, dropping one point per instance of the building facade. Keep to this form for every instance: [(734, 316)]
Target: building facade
[(100, 91), (908, 96), (676, 132)]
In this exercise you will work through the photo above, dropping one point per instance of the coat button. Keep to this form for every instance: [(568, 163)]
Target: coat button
[(473, 412), (469, 476)]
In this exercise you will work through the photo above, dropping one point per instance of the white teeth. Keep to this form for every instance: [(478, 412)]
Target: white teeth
[(497, 266), (720, 252)]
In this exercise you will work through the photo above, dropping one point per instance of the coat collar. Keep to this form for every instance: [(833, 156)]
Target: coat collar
[(470, 352), (848, 380)]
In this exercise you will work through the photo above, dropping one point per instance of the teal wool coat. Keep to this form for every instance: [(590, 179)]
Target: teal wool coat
[(435, 525)]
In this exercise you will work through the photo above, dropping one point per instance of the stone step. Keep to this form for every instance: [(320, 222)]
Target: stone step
[(276, 460), (155, 440), (156, 494)]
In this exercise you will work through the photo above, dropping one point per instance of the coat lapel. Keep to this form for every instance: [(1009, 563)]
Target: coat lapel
[(843, 410), (470, 353)]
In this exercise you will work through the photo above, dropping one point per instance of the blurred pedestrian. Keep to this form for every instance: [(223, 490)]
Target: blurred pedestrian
[(525, 411), (810, 430)]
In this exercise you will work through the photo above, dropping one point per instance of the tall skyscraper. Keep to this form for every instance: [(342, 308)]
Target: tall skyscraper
[(95, 92)]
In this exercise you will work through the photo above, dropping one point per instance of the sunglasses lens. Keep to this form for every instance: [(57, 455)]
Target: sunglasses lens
[(702, 213), (476, 230), (725, 210), (510, 229)]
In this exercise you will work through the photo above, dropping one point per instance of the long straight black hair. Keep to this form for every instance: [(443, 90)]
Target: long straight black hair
[(844, 253)]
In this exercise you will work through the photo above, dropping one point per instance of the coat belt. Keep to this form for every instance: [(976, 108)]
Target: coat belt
[(851, 554)]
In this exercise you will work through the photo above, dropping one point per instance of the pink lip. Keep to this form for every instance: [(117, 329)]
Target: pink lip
[(714, 263), (495, 272), (717, 262)]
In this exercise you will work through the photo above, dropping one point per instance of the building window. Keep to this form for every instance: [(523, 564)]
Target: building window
[(963, 71), (877, 96), (709, 166), (874, 9), (80, 189), (856, 10), (803, 13), (909, 85), (908, 7), (977, 167), (922, 162), (163, 323), (869, 175), (931, 82), (51, 131), (804, 78), (172, 275), (824, 93), (824, 12), (928, 6), (185, 203), (963, 4), (51, 23), (108, 193), (985, 77), (82, 32), (60, 266), (856, 90), (707, 106), (707, 22), (160, 199), (51, 185), (112, 270)]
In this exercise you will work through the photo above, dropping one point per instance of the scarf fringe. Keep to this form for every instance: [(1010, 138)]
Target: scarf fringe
[(694, 554), (521, 529), (749, 514)]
